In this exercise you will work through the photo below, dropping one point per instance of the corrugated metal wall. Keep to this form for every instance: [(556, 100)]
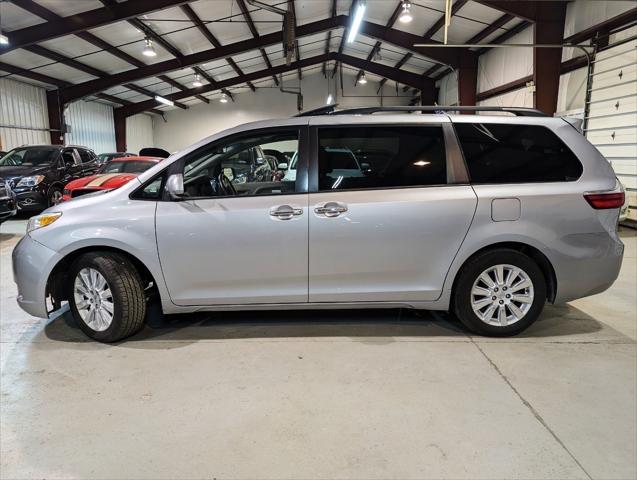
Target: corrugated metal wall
[(22, 105), (91, 126), (612, 116), (139, 132)]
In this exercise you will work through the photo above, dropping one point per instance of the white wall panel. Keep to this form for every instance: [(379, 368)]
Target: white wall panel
[(503, 65), (91, 126), (572, 91), (517, 98), (139, 132), (448, 89), (22, 105)]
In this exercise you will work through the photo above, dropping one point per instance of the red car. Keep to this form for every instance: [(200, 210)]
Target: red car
[(110, 176)]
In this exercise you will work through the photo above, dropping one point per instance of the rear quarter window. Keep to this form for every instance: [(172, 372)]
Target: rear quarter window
[(502, 153)]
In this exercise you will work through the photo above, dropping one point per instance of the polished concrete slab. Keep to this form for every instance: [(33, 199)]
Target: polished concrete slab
[(347, 394)]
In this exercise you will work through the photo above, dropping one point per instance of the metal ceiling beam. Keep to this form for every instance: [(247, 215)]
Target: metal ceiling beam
[(255, 34), (411, 79), (100, 84), (33, 75), (40, 11), (399, 64), (81, 21), (329, 36), (396, 37), (441, 21), (376, 47), (520, 8), (497, 24)]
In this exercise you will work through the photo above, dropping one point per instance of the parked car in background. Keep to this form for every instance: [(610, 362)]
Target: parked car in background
[(110, 176), (37, 174), (8, 206), (107, 157)]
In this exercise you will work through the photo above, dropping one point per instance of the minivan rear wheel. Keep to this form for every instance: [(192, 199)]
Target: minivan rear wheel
[(106, 296), (499, 293)]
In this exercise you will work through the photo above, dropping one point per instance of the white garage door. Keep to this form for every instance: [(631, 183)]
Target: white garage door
[(612, 117)]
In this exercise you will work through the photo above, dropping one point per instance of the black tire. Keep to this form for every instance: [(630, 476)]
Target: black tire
[(54, 196), (461, 301), (127, 291)]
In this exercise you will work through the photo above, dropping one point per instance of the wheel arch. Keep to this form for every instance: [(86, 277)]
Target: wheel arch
[(533, 252), (57, 286)]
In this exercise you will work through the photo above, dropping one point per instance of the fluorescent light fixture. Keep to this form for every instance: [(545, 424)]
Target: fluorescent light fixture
[(330, 99), (359, 11), (4, 40), (405, 15), (363, 79), (421, 163), (197, 82), (224, 98), (163, 100), (149, 50)]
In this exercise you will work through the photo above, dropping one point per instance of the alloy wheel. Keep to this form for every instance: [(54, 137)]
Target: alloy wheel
[(93, 299)]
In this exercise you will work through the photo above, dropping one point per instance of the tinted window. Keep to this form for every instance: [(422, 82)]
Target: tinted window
[(381, 157), (516, 154), (30, 156), (130, 166), (85, 155)]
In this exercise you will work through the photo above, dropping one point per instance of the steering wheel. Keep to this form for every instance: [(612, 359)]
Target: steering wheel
[(226, 185)]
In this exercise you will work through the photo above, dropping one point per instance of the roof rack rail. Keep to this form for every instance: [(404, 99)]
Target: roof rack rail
[(326, 110), (518, 111)]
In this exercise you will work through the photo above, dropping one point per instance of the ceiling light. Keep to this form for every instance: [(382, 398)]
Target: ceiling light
[(363, 79), (330, 99), (197, 82), (359, 11), (163, 100), (149, 50), (421, 163), (405, 15), (224, 98)]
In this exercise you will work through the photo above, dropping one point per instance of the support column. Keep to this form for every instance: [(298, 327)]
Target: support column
[(467, 78), (548, 29), (120, 130), (428, 92), (56, 116)]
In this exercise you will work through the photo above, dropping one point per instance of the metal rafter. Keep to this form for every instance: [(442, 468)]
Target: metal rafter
[(497, 24), (255, 33), (427, 36), (292, 9), (80, 22), (329, 36), (401, 76), (399, 64), (376, 47), (451, 56)]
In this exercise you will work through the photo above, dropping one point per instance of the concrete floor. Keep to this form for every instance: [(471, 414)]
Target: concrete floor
[(287, 395)]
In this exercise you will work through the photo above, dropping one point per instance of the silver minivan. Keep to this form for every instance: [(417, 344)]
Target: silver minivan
[(486, 216)]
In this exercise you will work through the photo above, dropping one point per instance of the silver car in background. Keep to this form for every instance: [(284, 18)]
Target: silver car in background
[(486, 216)]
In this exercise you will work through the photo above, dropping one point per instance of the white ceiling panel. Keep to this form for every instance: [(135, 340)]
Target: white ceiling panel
[(264, 21), (64, 8), (13, 17), (63, 72), (24, 59), (479, 11)]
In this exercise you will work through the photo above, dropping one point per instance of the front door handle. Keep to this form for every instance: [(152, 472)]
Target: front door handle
[(330, 209), (285, 212)]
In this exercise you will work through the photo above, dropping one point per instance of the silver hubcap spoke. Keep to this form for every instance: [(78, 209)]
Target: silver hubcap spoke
[(502, 295), (93, 299)]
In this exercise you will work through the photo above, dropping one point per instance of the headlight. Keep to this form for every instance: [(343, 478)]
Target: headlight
[(30, 181), (43, 220)]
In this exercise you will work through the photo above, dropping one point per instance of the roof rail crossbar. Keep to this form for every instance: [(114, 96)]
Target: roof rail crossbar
[(518, 111), (326, 110)]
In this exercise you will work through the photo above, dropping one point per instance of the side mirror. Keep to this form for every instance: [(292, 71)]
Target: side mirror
[(365, 166), (283, 166), (175, 185)]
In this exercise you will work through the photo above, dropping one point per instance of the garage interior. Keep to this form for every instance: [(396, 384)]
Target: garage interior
[(369, 394)]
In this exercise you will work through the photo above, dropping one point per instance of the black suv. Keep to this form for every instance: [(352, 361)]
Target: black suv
[(37, 174)]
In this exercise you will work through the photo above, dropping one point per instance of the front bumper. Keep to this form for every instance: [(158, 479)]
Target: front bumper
[(8, 207), (32, 265), (31, 200)]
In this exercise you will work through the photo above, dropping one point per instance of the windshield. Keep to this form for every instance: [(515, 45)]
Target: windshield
[(129, 166), (29, 157)]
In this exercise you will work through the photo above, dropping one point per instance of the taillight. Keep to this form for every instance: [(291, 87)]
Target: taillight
[(604, 201)]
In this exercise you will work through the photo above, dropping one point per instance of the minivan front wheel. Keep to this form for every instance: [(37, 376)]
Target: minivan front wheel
[(106, 296), (499, 293)]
